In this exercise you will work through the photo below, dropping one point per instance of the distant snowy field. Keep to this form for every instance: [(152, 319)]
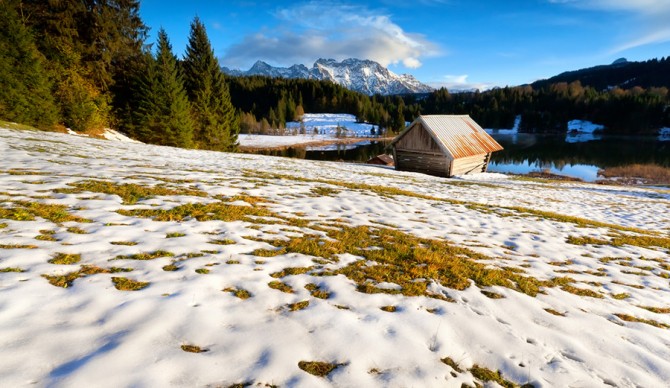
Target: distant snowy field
[(318, 127), (244, 256)]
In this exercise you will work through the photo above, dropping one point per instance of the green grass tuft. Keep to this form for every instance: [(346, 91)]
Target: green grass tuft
[(65, 258), (11, 269), (318, 368), (125, 284), (193, 348), (145, 255), (130, 193), (283, 287)]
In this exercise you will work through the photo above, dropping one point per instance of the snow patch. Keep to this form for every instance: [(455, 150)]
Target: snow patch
[(664, 134), (111, 134), (582, 131), (510, 131), (93, 334)]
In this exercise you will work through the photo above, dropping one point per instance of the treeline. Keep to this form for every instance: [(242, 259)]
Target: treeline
[(85, 65), (266, 102), (548, 109)]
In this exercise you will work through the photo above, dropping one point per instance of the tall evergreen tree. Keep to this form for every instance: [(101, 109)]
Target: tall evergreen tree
[(216, 122), (164, 113), (25, 95)]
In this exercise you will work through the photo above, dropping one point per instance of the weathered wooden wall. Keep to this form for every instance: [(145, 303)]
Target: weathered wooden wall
[(417, 139), (470, 164), (424, 162)]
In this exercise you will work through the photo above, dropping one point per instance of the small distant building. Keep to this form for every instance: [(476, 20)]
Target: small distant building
[(444, 145), (383, 160)]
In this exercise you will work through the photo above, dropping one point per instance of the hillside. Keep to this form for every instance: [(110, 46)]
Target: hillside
[(621, 73), (125, 264)]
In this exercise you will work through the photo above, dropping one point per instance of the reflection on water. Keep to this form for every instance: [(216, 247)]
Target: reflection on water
[(524, 153), (355, 152), (588, 173)]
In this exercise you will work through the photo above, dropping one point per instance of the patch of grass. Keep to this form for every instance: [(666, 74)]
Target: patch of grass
[(27, 211), (623, 239), (413, 263), (261, 252), (492, 295), (238, 292), (175, 235), (202, 271), (648, 172), (126, 243), (46, 235), (449, 361), (65, 258), (170, 267), (145, 255), (657, 310), (298, 305), (485, 374), (637, 286), (202, 212), (281, 286), (11, 125), (232, 262), (3, 225), (11, 269), (316, 291), (389, 309), (318, 368), (225, 241), (291, 271), (324, 192), (581, 291), (130, 193), (630, 318), (620, 296), (18, 246), (76, 230), (125, 284), (193, 348), (387, 191), (554, 312), (66, 280)]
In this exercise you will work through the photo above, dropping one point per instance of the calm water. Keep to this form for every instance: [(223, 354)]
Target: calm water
[(526, 153)]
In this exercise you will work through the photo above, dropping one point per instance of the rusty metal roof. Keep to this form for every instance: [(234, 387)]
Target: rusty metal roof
[(458, 135)]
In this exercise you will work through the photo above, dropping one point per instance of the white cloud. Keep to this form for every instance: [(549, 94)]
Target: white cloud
[(314, 30), (651, 19), (460, 82)]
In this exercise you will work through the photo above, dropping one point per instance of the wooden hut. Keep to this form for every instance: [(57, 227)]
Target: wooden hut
[(443, 145), (382, 160)]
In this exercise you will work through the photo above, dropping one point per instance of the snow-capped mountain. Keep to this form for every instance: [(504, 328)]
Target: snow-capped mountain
[(363, 76)]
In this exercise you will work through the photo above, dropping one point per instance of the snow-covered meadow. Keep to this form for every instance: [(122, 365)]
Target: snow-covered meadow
[(318, 128), (125, 264)]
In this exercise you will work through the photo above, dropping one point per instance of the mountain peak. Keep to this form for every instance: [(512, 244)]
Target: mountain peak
[(620, 61), (361, 75)]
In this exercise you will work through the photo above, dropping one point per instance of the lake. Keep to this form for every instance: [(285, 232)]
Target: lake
[(524, 153)]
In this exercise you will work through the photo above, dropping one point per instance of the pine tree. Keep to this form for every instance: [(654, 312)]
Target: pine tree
[(164, 113), (25, 95), (216, 123)]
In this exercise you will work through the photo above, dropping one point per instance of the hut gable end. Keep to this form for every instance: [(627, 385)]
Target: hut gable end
[(418, 139), (444, 145)]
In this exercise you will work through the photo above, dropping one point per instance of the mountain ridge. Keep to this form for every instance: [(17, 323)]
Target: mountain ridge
[(620, 73), (361, 75)]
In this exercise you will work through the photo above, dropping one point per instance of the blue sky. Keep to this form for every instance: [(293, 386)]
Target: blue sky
[(452, 43)]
